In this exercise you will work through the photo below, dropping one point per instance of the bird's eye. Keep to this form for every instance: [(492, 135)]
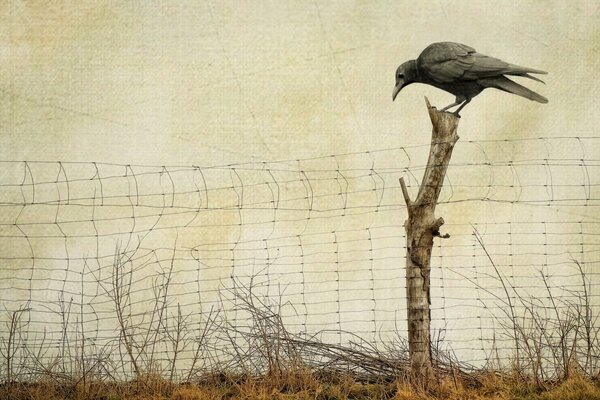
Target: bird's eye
[(400, 76)]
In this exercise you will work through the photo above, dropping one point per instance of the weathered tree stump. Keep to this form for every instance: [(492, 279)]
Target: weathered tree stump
[(421, 227)]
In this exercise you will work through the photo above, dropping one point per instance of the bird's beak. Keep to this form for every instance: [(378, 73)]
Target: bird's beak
[(397, 89)]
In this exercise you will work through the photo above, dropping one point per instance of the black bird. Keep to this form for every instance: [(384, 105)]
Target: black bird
[(460, 70)]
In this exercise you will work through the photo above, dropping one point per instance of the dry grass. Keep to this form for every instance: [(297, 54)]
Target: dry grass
[(305, 386)]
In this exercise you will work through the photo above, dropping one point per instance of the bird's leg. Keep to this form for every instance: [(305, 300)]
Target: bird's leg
[(467, 101), (456, 102)]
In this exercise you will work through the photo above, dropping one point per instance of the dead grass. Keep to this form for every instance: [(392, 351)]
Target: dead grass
[(305, 386)]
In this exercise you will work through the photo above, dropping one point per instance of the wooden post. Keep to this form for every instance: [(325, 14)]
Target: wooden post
[(421, 227)]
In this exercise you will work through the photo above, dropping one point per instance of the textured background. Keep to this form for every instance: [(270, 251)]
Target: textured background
[(209, 82)]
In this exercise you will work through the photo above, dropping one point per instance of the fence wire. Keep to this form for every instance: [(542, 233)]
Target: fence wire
[(98, 258)]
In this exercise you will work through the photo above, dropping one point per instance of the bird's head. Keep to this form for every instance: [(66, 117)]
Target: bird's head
[(405, 75)]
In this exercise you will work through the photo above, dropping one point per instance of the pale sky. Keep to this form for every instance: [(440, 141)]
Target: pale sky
[(211, 82)]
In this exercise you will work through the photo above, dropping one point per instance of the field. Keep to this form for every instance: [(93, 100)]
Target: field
[(306, 385)]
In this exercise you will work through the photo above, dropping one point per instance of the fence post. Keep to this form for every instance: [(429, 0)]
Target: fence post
[(421, 227)]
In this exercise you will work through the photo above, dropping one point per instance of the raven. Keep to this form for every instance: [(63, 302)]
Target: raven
[(460, 70)]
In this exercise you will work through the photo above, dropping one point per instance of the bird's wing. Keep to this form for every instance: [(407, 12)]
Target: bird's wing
[(446, 61), (483, 66)]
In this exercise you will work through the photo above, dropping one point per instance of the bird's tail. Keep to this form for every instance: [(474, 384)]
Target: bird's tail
[(517, 70), (503, 83)]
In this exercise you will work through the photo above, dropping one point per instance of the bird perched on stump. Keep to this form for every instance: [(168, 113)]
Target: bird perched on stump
[(462, 71)]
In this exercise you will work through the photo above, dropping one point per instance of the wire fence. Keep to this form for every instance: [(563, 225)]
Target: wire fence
[(101, 260)]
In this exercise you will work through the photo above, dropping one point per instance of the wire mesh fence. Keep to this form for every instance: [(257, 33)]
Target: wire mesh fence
[(136, 264)]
